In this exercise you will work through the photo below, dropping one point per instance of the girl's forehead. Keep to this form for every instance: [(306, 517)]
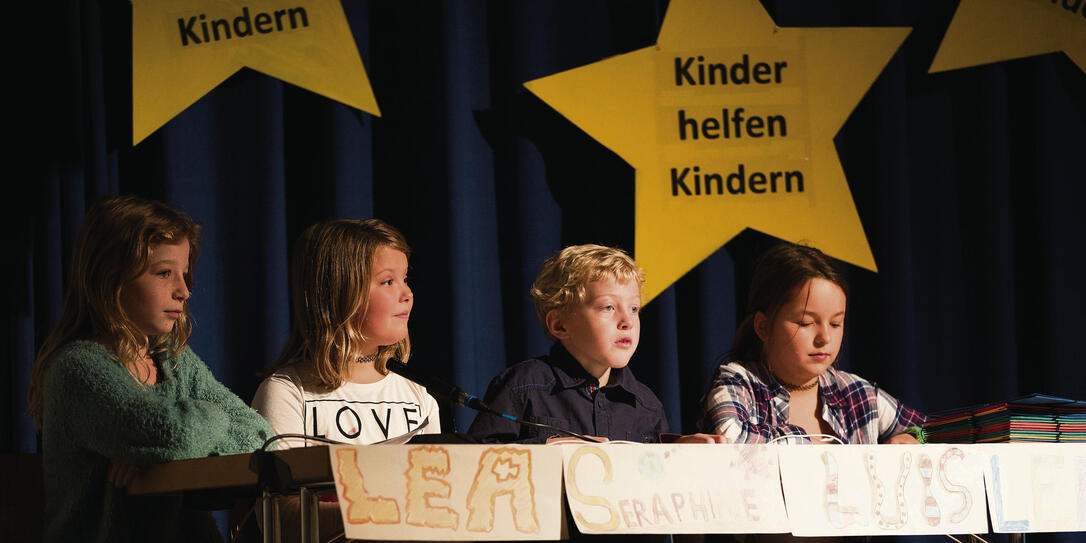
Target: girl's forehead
[(387, 258), (171, 241), (388, 251), (799, 292), (170, 248), (817, 291)]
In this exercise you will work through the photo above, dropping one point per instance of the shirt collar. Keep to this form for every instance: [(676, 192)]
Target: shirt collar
[(831, 393), (570, 374)]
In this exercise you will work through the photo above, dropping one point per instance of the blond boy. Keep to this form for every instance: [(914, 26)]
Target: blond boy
[(588, 298)]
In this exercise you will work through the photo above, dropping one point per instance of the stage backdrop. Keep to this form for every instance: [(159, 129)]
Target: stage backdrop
[(968, 184)]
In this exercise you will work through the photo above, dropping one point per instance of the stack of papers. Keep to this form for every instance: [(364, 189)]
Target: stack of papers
[(1036, 418), (1072, 423), (1016, 423), (956, 427)]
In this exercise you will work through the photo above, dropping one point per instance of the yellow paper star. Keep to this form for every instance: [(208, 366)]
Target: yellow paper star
[(764, 104), (984, 31), (181, 49)]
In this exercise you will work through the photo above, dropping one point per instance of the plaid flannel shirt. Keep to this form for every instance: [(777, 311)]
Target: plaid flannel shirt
[(743, 409)]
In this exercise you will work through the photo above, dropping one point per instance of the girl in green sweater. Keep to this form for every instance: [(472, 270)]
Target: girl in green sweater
[(115, 386)]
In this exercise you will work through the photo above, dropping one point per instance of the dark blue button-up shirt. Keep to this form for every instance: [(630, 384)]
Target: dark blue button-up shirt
[(556, 390)]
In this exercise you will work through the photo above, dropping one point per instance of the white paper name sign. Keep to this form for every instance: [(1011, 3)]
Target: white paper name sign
[(622, 488), (1036, 487), (883, 489), (449, 492)]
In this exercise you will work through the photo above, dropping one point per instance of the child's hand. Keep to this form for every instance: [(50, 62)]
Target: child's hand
[(700, 438), (903, 439), (575, 440), (121, 473)]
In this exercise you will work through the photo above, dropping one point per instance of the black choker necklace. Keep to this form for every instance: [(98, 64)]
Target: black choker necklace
[(367, 359), (795, 388)]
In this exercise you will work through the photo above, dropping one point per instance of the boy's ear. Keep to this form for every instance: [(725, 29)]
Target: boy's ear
[(555, 325), (761, 325)]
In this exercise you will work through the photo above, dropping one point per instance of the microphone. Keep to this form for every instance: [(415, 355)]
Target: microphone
[(437, 387), (441, 389)]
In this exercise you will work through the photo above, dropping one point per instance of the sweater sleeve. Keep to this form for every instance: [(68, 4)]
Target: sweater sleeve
[(246, 430), (95, 401)]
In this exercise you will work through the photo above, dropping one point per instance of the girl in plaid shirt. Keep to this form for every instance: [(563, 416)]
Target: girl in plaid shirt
[(779, 380)]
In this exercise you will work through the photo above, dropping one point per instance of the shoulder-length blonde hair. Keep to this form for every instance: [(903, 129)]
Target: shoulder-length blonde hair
[(114, 247), (331, 274)]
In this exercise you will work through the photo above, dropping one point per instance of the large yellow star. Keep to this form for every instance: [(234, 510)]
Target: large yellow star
[(984, 31), (647, 105), (181, 49)]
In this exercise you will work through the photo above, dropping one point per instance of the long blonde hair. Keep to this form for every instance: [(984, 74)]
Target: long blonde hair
[(329, 293), (114, 247)]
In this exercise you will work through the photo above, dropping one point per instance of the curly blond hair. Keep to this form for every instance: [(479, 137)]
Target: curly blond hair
[(565, 275)]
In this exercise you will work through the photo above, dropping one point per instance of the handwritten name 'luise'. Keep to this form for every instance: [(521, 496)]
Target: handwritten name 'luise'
[(198, 29)]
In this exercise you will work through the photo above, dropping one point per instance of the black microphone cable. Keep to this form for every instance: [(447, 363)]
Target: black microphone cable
[(277, 437)]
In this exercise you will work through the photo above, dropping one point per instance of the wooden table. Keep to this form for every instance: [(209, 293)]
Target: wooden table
[(216, 481)]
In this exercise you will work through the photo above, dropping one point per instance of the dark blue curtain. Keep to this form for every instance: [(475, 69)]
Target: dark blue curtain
[(969, 184)]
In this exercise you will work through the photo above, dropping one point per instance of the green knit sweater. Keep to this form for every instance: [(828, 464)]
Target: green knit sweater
[(94, 413)]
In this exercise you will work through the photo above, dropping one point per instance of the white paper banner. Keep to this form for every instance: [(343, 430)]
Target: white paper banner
[(449, 492), (623, 488), (1036, 487), (879, 489)]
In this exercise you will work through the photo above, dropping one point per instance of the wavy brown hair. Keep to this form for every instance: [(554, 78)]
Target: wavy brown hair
[(778, 273), (114, 247), (329, 293)]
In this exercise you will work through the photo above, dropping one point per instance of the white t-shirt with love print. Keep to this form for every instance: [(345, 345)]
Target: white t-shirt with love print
[(354, 413)]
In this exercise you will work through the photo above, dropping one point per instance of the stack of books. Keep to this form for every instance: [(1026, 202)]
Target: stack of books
[(1036, 418)]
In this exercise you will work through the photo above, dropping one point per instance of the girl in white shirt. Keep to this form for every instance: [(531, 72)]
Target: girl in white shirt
[(351, 304)]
